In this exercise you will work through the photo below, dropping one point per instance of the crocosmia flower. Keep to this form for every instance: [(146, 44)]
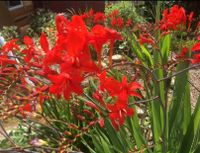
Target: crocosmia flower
[(173, 18)]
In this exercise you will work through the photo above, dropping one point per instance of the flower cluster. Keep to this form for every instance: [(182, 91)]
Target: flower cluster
[(119, 92), (74, 60), (175, 18), (114, 19), (117, 21), (68, 61), (96, 18), (66, 64)]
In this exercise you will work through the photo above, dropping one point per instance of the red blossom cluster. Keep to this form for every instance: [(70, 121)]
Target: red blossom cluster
[(117, 21), (71, 52), (114, 19), (175, 18), (19, 76), (96, 18), (68, 61), (195, 56), (119, 91), (146, 38), (196, 53)]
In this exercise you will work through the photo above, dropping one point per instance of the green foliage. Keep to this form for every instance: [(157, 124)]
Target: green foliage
[(40, 20), (21, 136), (9, 32), (127, 10)]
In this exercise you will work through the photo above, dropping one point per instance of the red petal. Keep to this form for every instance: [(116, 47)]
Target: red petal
[(196, 47), (44, 43), (130, 112), (28, 41), (101, 122), (10, 45)]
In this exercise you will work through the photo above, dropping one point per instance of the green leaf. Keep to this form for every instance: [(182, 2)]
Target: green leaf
[(134, 127), (114, 136), (147, 54), (101, 144), (178, 121), (180, 88), (165, 49), (193, 132)]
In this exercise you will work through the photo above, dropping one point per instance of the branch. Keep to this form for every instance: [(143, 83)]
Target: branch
[(143, 101), (179, 72), (194, 86)]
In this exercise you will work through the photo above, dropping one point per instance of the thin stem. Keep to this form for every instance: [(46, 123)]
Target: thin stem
[(37, 122), (193, 86), (143, 101), (5, 134), (179, 72)]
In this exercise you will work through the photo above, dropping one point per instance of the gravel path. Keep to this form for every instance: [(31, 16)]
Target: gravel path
[(195, 86)]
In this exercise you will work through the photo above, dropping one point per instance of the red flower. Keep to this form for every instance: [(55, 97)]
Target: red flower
[(114, 87), (61, 24), (87, 15), (98, 38), (196, 47), (119, 111), (117, 22), (130, 88), (66, 83), (120, 22), (4, 60), (113, 22), (198, 38), (10, 46), (113, 35), (30, 49), (196, 54), (183, 53), (171, 20), (101, 122), (82, 62), (27, 107), (114, 13), (145, 39), (54, 56), (190, 18), (109, 84), (128, 22), (99, 17), (77, 34), (44, 43)]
